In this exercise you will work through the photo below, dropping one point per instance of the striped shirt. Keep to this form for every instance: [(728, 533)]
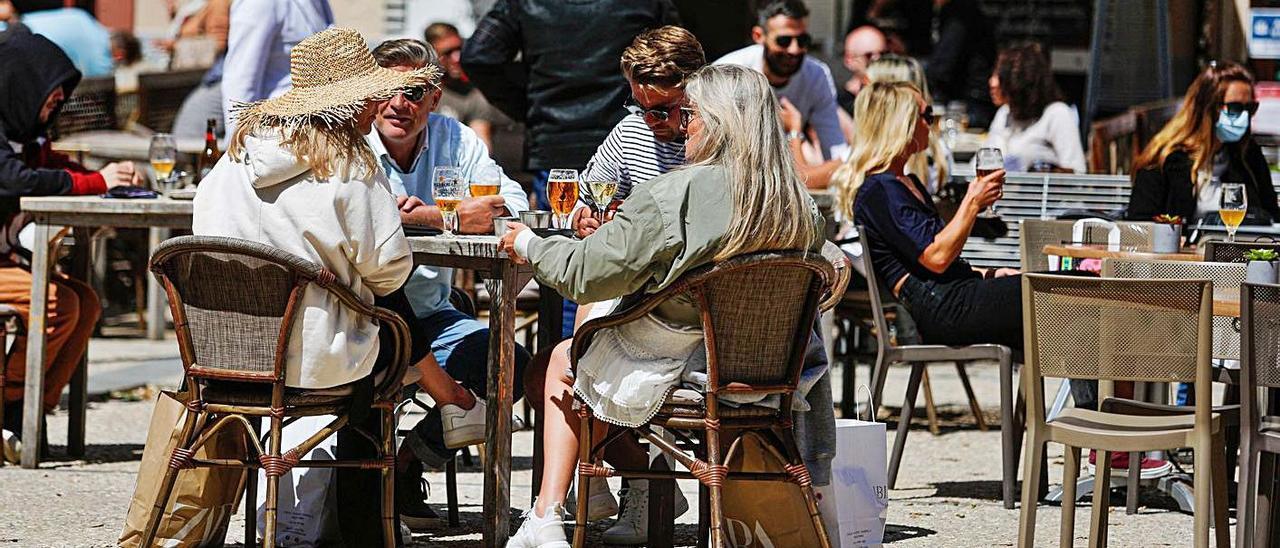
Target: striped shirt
[(631, 155)]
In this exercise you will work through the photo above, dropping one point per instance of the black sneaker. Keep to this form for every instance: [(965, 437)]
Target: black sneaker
[(412, 492)]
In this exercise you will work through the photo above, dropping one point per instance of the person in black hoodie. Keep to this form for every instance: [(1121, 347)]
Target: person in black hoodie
[(36, 77), (1207, 143)]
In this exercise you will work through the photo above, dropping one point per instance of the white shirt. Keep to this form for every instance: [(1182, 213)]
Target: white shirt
[(1054, 137), (812, 91)]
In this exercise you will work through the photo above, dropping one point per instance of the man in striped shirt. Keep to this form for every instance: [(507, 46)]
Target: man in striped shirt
[(650, 141)]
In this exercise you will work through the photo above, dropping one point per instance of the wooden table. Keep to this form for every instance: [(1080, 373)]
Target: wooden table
[(1100, 251), (504, 279), (81, 213)]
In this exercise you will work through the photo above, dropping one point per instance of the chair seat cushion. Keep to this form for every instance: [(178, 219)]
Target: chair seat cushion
[(686, 402), (256, 394)]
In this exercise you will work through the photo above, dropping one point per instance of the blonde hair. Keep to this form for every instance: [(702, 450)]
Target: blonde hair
[(1191, 129), (664, 56), (742, 133), (899, 68), (327, 149), (884, 119)]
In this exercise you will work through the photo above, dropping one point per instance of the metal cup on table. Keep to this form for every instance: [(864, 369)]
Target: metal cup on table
[(536, 218), (500, 224)]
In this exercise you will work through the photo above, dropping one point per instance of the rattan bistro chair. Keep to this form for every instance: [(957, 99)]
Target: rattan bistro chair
[(918, 356), (234, 303), (1119, 330), (1260, 426), (757, 314)]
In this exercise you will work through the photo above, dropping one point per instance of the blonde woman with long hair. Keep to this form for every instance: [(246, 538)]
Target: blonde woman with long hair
[(915, 253), (739, 194), (1207, 143), (934, 163)]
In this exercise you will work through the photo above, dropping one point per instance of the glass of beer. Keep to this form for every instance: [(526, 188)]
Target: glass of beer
[(987, 161), (487, 181), (448, 189), (562, 192), (1232, 205), (163, 154), (602, 193)]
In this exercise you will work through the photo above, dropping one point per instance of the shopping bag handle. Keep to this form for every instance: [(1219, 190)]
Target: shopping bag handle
[(871, 404)]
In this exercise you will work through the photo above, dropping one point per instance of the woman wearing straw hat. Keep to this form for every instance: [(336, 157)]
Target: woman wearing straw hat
[(299, 176)]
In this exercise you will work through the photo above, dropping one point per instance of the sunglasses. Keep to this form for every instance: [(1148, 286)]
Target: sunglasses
[(1234, 108), (784, 42), (658, 114), (927, 116), (414, 94), (686, 115)]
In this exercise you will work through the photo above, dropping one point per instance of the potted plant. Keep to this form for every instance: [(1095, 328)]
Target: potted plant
[(1261, 267), (1166, 235)]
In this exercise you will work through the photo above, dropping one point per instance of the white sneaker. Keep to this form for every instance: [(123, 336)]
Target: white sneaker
[(601, 504), (13, 452), (632, 527), (541, 531), (463, 427)]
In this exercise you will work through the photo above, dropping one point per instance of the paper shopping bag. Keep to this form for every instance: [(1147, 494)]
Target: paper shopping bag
[(859, 482), (203, 499), (764, 514)]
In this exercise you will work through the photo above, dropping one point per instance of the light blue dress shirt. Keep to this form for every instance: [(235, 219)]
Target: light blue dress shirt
[(82, 37), (448, 143), (262, 34)]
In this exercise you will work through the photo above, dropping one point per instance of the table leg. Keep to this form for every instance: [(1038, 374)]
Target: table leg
[(78, 402), (550, 317), (33, 408), (155, 294), (497, 450)]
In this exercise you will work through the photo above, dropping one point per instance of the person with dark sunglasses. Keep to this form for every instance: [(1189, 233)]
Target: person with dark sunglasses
[(782, 42)]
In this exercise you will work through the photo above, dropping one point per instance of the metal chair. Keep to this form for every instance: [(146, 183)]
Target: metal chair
[(1034, 234), (91, 107), (234, 305), (1218, 251), (1119, 330), (758, 313), (1260, 426), (1226, 278), (160, 95), (918, 356)]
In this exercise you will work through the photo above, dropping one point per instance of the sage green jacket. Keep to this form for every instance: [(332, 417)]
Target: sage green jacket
[(670, 225)]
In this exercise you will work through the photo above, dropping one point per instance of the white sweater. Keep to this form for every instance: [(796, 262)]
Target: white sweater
[(1054, 137), (351, 227)]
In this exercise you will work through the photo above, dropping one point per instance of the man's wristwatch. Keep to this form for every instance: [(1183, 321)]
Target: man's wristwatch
[(795, 135)]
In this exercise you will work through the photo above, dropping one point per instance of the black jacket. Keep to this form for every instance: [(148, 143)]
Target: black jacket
[(567, 87), (962, 60), (1168, 189)]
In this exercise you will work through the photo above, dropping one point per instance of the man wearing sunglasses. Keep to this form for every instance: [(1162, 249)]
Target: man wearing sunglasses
[(410, 141), (781, 43)]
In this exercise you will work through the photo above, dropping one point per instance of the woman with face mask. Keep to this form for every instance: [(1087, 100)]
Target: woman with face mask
[(1206, 144)]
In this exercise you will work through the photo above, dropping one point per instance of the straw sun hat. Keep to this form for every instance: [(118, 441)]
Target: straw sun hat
[(333, 75)]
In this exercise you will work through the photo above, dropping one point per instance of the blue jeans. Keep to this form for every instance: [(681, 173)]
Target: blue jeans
[(540, 189)]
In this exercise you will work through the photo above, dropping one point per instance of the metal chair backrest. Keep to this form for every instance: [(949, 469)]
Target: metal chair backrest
[(1034, 234), (1218, 251), (1260, 330), (1117, 329), (1226, 278), (91, 107), (233, 303), (160, 95), (878, 296)]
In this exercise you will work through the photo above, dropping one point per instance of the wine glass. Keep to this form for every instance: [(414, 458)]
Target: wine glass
[(562, 191), (988, 161), (448, 189), (486, 181), (1232, 204), (163, 154), (602, 193)]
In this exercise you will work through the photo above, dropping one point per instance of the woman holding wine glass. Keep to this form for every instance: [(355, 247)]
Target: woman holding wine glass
[(1205, 148)]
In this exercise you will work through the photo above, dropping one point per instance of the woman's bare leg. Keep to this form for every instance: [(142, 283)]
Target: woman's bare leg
[(559, 431)]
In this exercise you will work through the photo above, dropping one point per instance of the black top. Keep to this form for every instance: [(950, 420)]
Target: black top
[(962, 59), (31, 67), (1168, 189), (899, 227), (566, 86)]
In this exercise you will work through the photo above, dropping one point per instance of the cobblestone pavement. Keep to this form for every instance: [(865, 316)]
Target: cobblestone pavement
[(947, 495)]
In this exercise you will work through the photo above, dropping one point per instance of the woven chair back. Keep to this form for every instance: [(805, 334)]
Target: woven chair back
[(91, 107), (757, 314), (1218, 251), (233, 303), (160, 96), (1034, 234), (1261, 314), (1100, 328)]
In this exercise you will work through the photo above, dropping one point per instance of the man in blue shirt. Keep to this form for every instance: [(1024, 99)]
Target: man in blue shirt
[(410, 142), (82, 37)]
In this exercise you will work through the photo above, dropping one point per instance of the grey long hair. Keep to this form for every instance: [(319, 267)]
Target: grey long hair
[(742, 133)]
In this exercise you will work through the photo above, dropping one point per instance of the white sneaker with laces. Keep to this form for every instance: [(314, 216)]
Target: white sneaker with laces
[(541, 531), (602, 503), (632, 527), (13, 451), (463, 427)]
